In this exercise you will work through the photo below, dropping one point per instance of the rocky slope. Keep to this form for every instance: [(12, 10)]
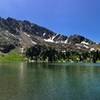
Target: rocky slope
[(24, 34)]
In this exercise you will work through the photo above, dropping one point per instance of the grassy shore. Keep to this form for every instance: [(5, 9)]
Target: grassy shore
[(13, 56)]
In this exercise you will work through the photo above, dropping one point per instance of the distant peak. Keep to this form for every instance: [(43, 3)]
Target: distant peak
[(9, 18)]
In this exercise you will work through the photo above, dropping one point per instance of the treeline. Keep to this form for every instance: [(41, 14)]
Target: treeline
[(43, 53)]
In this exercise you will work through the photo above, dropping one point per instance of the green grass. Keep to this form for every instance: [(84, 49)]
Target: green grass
[(13, 56)]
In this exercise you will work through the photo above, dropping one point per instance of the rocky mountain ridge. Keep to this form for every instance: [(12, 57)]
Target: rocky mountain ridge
[(24, 34)]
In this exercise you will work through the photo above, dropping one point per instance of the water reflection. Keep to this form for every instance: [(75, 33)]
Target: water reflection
[(21, 70), (33, 81)]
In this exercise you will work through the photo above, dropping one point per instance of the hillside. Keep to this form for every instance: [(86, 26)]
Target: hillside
[(24, 34)]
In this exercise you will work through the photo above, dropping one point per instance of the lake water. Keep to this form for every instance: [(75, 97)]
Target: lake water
[(30, 81)]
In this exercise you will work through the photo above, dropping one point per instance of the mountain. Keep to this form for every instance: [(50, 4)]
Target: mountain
[(24, 34)]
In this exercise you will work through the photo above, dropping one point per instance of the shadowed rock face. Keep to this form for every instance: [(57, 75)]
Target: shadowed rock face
[(21, 33), (16, 27), (78, 39), (16, 33)]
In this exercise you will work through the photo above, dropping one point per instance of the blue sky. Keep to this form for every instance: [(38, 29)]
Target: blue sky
[(62, 16)]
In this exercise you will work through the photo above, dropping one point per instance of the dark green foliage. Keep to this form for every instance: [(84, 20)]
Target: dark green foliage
[(34, 52), (44, 53)]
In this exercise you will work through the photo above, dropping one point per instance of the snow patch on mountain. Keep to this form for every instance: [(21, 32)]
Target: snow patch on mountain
[(92, 49), (66, 41), (44, 34), (33, 42), (86, 46), (86, 43), (48, 40), (27, 34)]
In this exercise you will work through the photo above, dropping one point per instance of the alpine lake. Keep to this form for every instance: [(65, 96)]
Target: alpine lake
[(49, 81)]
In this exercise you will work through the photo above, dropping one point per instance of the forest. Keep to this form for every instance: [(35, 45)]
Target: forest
[(49, 54)]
